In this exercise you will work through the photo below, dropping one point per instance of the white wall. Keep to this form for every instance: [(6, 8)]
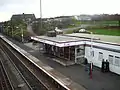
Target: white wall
[(106, 54)]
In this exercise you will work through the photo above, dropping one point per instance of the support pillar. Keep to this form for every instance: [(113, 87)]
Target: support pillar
[(69, 53)]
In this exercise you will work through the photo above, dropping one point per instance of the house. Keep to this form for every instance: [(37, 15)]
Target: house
[(78, 46), (83, 17), (25, 17)]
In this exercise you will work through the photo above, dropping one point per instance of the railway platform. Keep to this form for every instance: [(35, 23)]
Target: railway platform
[(100, 81)]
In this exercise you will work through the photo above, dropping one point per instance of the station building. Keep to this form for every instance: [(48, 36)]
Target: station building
[(76, 47)]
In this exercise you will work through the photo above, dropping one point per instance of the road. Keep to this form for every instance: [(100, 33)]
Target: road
[(78, 27)]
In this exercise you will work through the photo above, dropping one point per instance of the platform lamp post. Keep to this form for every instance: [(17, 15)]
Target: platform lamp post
[(12, 31), (22, 33), (91, 54), (12, 28), (91, 46)]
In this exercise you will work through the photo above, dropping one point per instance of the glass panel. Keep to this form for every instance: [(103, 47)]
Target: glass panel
[(80, 52), (117, 61), (81, 47), (100, 56), (111, 59)]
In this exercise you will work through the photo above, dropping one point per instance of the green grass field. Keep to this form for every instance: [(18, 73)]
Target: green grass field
[(113, 32), (99, 22), (100, 27), (68, 31)]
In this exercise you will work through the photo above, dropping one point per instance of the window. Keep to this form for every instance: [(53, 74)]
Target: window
[(82, 47), (110, 59), (80, 52), (117, 61), (100, 57)]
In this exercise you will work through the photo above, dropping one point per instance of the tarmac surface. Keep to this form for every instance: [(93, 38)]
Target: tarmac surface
[(99, 81)]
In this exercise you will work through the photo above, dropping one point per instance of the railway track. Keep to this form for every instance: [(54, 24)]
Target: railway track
[(23, 83), (5, 83), (37, 79)]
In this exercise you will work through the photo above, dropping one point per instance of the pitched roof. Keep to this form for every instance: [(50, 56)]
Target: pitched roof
[(23, 16)]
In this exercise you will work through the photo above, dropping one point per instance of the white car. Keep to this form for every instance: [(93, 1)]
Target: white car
[(82, 30)]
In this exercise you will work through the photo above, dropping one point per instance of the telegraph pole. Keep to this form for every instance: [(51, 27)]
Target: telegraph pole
[(40, 22), (40, 14)]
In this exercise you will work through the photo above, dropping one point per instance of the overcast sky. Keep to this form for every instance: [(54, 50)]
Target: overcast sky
[(52, 8)]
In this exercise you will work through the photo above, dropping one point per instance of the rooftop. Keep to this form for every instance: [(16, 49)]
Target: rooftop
[(81, 36), (76, 38), (23, 16), (105, 38), (60, 38)]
